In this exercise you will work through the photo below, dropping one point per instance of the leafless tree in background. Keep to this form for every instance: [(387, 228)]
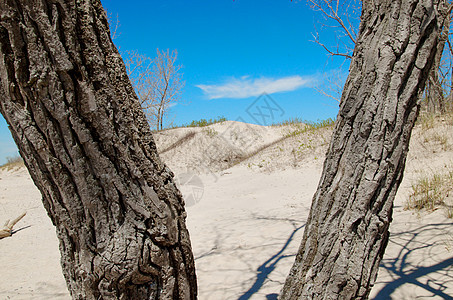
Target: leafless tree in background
[(139, 69), (167, 84), (157, 82)]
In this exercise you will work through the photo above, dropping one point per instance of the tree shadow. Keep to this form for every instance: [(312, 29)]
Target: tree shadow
[(265, 269), (238, 250), (20, 229), (404, 267), (272, 297)]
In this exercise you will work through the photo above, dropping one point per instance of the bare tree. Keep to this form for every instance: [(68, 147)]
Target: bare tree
[(347, 229), (73, 113), (140, 71), (157, 82), (167, 83)]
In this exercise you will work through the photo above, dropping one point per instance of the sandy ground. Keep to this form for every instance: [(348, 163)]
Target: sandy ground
[(246, 221)]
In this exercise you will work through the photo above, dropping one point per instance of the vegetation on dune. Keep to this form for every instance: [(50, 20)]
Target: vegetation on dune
[(198, 123), (204, 122), (433, 191), (308, 126), (12, 163), (290, 121), (299, 128)]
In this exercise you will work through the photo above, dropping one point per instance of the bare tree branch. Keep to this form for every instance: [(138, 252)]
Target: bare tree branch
[(326, 7), (7, 229), (332, 85), (340, 15), (114, 26), (332, 53)]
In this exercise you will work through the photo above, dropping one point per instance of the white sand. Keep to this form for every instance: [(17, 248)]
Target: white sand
[(246, 222)]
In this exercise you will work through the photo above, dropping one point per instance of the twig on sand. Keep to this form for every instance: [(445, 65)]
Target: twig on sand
[(7, 229)]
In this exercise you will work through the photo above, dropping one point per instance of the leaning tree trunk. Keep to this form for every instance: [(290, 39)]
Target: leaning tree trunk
[(450, 96), (77, 122), (435, 94), (347, 228)]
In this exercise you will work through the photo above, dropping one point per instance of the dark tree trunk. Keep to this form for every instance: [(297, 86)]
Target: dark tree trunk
[(435, 93), (78, 124), (450, 96), (347, 229)]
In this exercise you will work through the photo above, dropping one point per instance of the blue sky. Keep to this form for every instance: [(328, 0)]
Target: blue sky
[(231, 52)]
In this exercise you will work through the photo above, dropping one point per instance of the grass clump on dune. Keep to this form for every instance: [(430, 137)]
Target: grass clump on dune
[(432, 192), (309, 126), (290, 121), (196, 123), (15, 162), (204, 122)]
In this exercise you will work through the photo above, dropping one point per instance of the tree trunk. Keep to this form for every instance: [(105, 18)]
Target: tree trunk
[(78, 124), (158, 119), (347, 228), (435, 95), (450, 96)]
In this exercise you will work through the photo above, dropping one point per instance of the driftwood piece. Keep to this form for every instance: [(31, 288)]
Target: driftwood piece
[(7, 229)]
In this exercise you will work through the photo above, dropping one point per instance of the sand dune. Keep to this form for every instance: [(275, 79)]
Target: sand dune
[(247, 205)]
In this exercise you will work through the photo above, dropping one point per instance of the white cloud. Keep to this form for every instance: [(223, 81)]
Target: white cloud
[(247, 87)]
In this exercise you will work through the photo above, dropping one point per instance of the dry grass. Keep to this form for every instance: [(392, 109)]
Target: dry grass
[(431, 192), (435, 131), (426, 120), (210, 132), (12, 163)]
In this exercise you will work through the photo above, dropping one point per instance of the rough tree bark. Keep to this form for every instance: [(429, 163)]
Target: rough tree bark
[(78, 124), (347, 228)]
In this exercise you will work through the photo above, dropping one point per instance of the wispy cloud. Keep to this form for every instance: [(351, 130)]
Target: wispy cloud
[(245, 87)]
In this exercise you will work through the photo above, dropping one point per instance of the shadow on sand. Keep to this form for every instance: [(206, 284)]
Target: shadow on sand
[(409, 266), (416, 247), (268, 266)]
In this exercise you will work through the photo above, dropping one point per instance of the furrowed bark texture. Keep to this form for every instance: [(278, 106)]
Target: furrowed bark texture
[(347, 228), (79, 127)]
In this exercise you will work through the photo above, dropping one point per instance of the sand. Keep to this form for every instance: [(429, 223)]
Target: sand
[(246, 220)]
